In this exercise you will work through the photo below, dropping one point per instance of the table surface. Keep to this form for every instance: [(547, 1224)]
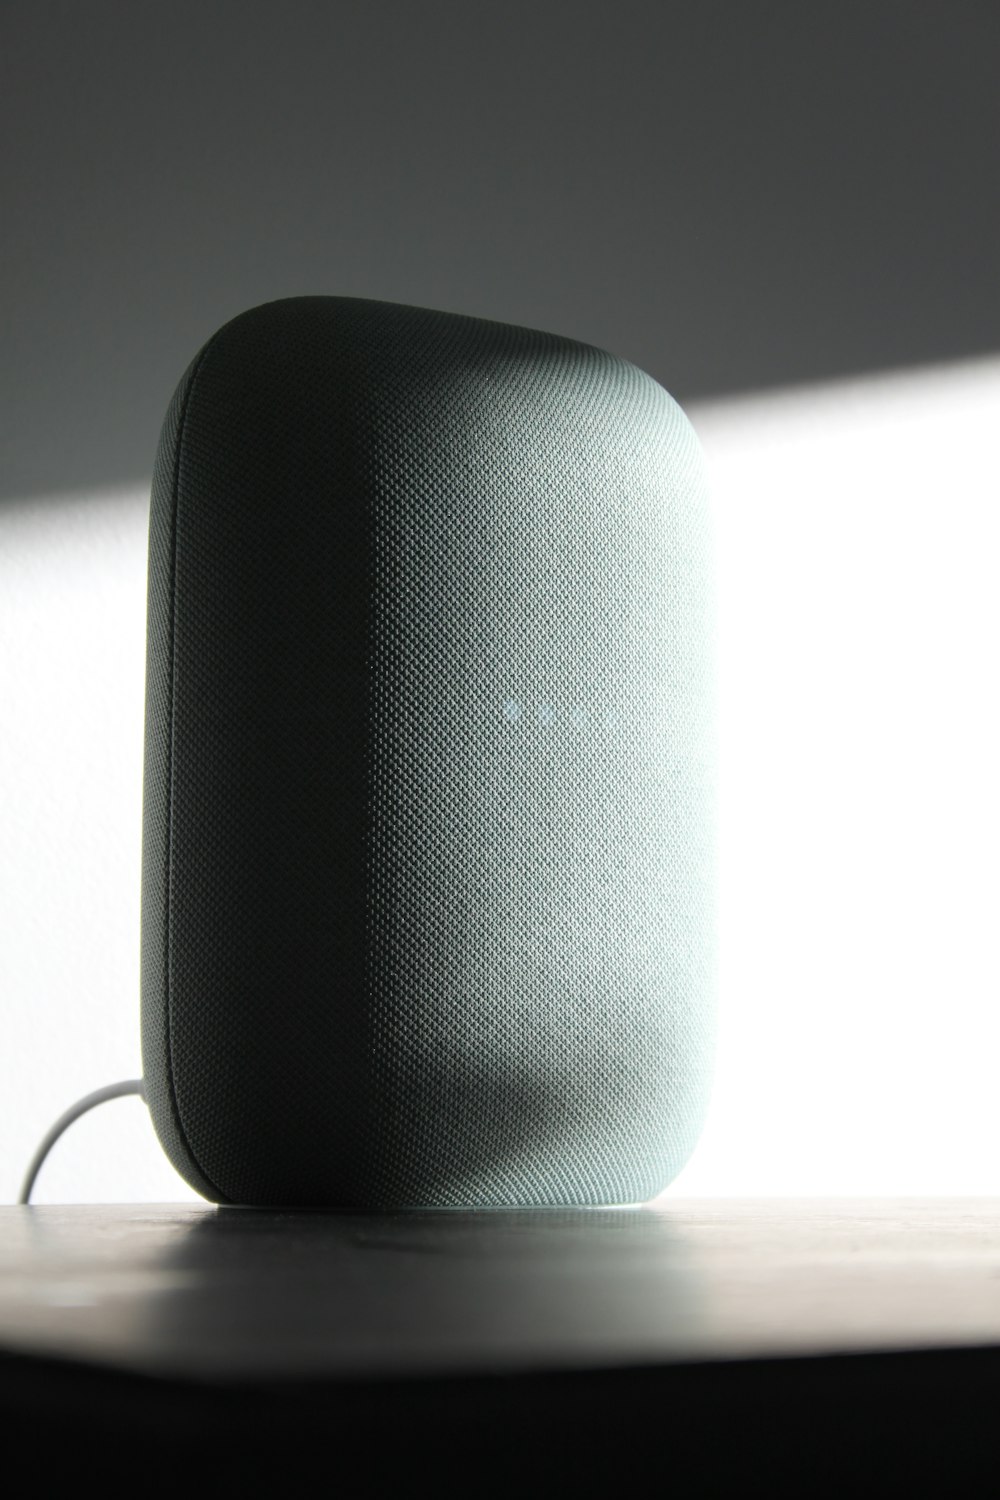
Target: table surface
[(224, 1295)]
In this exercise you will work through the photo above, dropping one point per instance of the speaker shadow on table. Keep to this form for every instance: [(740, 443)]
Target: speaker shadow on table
[(263, 1293), (284, 1289)]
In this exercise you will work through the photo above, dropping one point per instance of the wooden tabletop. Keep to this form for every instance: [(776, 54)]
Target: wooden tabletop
[(236, 1294), (784, 1346)]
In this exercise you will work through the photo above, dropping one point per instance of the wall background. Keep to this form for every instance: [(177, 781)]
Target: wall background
[(789, 215), (733, 194)]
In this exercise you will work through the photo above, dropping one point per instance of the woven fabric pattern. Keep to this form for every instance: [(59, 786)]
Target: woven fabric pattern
[(427, 911)]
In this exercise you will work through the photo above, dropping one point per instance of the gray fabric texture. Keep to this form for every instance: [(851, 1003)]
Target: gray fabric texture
[(428, 824)]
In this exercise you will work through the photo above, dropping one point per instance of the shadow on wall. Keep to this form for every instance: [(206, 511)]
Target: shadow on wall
[(730, 197)]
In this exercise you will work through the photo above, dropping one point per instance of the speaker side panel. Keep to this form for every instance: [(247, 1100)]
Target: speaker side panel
[(156, 800), (269, 775)]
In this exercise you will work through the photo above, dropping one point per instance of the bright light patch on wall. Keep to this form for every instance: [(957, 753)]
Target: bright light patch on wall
[(858, 532), (72, 662), (858, 537)]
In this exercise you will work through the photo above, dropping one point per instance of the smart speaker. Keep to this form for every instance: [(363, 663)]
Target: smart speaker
[(427, 895)]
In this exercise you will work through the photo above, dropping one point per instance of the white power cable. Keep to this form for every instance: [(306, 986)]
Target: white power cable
[(99, 1096)]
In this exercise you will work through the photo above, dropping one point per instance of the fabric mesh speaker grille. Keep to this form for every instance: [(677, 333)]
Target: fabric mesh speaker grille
[(427, 903)]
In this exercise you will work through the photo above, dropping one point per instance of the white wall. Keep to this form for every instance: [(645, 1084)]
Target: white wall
[(858, 533), (72, 645)]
